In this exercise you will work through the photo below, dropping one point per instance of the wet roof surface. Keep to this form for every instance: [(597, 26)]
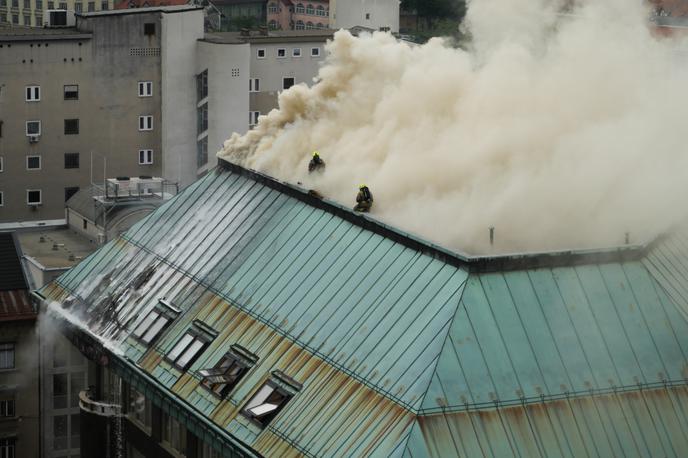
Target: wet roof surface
[(399, 346)]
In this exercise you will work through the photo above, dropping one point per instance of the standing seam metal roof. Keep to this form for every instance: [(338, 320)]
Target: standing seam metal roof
[(388, 335)]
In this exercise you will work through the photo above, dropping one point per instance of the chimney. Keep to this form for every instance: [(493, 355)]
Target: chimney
[(245, 32), (263, 30)]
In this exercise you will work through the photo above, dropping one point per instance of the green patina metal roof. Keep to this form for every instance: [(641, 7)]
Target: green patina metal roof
[(402, 348)]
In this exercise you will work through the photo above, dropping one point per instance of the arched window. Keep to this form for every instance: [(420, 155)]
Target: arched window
[(273, 25), (320, 26), (273, 8), (299, 25), (310, 9), (299, 8), (321, 10), (309, 25)]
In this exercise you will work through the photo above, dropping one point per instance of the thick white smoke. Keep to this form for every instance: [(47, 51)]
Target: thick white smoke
[(561, 131)]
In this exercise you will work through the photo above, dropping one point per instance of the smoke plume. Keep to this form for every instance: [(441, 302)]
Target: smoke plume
[(560, 130)]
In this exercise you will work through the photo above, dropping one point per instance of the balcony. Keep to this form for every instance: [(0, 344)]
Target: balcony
[(87, 404)]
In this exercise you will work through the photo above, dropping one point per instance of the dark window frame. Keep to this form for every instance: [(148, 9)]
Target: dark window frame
[(71, 94), (69, 162), (71, 126)]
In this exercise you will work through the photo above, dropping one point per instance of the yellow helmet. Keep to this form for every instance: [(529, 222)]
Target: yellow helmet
[(362, 186), (315, 154)]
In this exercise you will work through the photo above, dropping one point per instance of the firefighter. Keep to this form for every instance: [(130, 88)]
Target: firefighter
[(364, 199), (316, 163)]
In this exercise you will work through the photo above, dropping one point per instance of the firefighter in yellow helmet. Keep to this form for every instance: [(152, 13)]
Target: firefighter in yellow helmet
[(316, 164), (364, 199)]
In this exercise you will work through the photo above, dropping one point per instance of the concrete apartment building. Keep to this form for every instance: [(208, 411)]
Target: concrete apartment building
[(133, 93), (19, 379), (82, 102), (32, 13), (243, 73)]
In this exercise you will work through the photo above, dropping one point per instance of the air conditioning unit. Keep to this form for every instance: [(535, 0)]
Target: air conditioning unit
[(34, 138), (60, 18)]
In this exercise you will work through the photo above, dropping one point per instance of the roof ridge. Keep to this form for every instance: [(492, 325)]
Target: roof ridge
[(474, 263)]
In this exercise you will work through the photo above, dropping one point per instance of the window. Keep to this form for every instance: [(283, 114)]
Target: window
[(15, 19), (202, 152), (33, 93), (27, 4), (149, 28), (33, 197), (321, 11), (6, 356), (63, 5), (202, 118), (296, 52), (287, 82), (2, 165), (253, 118), (91, 7), (139, 409), (315, 52), (71, 160), (77, 7), (27, 19), (273, 25), (319, 25), (7, 447), (309, 25), (300, 9), (145, 156), (60, 431), (70, 191), (33, 162), (202, 85), (281, 53), (145, 88), (155, 322), (367, 16), (75, 430), (2, 199), (227, 373), (272, 8), (310, 9), (270, 399), (146, 122), (7, 408), (186, 350), (84, 224), (173, 434), (60, 390), (77, 382), (254, 85), (71, 126), (51, 5), (33, 128), (71, 92), (260, 53), (104, 5)]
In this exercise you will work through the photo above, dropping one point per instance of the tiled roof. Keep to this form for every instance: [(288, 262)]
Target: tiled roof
[(16, 305), (402, 347)]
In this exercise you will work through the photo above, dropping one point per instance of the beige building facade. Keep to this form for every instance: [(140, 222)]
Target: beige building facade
[(33, 13), (81, 104)]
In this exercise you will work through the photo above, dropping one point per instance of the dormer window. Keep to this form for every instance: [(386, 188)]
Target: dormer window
[(191, 345), (229, 371), (270, 399), (156, 321)]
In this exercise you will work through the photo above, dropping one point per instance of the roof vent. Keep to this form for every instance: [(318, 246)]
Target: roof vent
[(122, 178)]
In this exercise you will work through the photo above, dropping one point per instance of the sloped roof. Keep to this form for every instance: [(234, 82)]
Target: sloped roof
[(14, 295), (399, 344)]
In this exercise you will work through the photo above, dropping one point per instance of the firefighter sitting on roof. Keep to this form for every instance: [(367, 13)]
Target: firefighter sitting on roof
[(316, 163), (364, 199)]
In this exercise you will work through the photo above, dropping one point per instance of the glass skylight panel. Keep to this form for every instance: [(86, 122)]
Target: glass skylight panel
[(145, 324), (266, 403), (154, 330), (180, 347), (193, 349)]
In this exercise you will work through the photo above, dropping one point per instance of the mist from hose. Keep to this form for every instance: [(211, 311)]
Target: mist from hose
[(561, 131)]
